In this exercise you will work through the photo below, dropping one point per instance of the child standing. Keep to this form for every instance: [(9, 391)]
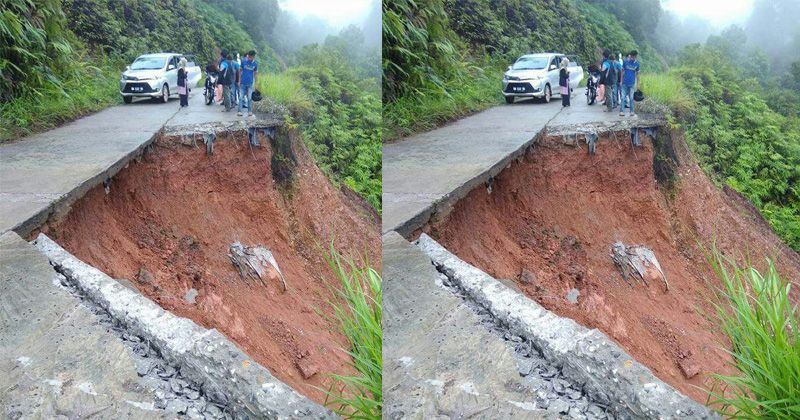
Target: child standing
[(183, 89), (563, 82)]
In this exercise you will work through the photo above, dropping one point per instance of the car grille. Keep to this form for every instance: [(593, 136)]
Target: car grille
[(520, 88), (138, 87)]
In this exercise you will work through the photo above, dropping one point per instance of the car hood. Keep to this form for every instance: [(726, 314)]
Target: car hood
[(525, 74), (142, 74)]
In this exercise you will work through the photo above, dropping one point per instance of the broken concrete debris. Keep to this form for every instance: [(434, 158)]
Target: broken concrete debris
[(255, 263), (637, 261), (209, 138), (591, 142), (572, 296)]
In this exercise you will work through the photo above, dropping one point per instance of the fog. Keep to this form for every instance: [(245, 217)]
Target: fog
[(303, 22), (772, 26)]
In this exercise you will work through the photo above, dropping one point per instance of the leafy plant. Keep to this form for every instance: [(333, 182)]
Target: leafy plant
[(357, 310), (757, 315)]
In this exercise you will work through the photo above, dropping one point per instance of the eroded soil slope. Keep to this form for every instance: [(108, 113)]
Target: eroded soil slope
[(167, 224), (549, 223)]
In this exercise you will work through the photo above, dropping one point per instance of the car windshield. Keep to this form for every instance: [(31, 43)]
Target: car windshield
[(148, 63), (530, 63)]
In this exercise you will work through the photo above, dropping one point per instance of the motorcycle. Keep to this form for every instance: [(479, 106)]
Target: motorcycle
[(591, 87), (210, 85)]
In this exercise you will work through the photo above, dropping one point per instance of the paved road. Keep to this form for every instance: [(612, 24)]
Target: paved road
[(438, 360), (55, 358), (39, 171), (422, 169), (442, 165)]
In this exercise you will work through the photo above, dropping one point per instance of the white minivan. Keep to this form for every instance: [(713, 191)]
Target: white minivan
[(536, 75), (156, 76)]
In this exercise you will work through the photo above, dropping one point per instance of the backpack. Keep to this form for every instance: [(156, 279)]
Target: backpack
[(227, 76), (609, 76)]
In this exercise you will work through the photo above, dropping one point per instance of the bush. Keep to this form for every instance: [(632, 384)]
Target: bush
[(757, 315)]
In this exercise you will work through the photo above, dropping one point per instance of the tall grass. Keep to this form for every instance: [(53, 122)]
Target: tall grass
[(357, 310), (667, 90), (286, 90), (428, 109), (757, 315), (44, 108)]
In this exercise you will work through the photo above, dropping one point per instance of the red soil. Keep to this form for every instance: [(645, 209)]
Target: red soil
[(557, 213), (175, 213)]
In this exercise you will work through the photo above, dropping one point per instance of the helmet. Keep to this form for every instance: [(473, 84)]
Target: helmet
[(638, 96), (256, 95)]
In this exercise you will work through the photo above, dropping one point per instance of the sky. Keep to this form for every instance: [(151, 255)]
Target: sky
[(338, 13), (717, 12)]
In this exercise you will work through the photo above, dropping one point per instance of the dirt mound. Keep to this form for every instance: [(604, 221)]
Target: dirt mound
[(549, 224), (169, 219)]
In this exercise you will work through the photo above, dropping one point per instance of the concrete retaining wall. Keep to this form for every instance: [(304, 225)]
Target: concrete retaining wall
[(609, 375), (206, 357)]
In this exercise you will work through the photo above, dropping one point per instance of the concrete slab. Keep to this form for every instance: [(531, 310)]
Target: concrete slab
[(55, 358), (45, 171), (439, 361), (429, 168)]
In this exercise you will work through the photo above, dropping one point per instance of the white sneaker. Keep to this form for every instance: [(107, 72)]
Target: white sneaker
[(239, 114), (621, 114), (633, 115), (251, 115)]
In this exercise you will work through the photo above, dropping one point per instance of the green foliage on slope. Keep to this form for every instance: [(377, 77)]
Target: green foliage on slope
[(445, 58)]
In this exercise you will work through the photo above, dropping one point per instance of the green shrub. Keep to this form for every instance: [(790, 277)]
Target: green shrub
[(286, 90), (757, 315), (357, 311), (666, 89)]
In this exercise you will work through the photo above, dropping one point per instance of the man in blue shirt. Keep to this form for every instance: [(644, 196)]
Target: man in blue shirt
[(610, 80), (630, 82), (247, 79)]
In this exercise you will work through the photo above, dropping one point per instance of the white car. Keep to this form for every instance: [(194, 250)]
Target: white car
[(156, 76), (536, 75)]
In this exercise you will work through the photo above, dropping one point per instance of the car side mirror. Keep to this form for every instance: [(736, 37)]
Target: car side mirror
[(170, 67), (127, 67), (509, 68), (552, 67)]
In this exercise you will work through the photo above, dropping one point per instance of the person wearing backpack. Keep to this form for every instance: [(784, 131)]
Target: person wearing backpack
[(609, 76), (227, 78)]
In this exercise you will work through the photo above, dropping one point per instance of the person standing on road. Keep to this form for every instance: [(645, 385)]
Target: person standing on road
[(630, 82), (617, 61), (235, 94), (183, 89), (610, 78), (248, 76), (227, 79), (563, 82)]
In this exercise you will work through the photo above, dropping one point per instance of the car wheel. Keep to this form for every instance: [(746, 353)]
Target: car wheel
[(547, 94), (165, 93), (509, 99), (127, 99)]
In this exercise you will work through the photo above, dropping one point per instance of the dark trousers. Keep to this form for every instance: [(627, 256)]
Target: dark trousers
[(184, 100), (565, 100)]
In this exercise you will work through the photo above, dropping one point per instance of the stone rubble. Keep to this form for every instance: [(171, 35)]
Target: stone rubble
[(553, 391)]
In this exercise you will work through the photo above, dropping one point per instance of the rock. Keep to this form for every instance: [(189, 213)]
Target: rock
[(307, 367), (191, 295), (689, 367), (575, 413), (144, 276), (525, 367), (177, 406), (558, 407), (526, 277), (572, 296)]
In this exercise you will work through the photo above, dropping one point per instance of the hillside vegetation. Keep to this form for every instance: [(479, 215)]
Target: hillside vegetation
[(60, 60), (445, 58)]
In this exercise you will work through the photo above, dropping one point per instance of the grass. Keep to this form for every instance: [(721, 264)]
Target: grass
[(286, 90), (757, 315), (357, 310), (666, 89), (424, 111), (50, 106)]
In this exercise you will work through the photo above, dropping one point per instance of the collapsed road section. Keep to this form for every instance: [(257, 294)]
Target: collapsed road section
[(204, 256)]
